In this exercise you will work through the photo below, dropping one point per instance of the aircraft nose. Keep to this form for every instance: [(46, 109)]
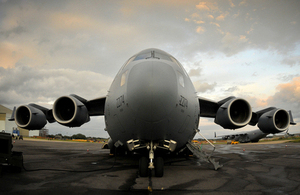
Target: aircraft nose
[(152, 90)]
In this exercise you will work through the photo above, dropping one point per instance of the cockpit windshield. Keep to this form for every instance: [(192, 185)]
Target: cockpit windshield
[(152, 55)]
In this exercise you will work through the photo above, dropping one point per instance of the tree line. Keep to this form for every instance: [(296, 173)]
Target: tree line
[(75, 136)]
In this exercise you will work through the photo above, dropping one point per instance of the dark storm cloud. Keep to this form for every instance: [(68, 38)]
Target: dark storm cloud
[(25, 84), (15, 30)]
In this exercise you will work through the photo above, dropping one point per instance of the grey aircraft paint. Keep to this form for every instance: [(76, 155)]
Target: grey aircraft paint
[(152, 99), (249, 136)]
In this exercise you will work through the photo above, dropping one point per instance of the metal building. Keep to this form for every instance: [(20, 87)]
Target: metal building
[(9, 126)]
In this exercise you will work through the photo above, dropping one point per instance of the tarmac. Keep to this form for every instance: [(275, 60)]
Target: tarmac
[(61, 167)]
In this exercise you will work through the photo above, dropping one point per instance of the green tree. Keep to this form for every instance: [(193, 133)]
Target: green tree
[(78, 136)]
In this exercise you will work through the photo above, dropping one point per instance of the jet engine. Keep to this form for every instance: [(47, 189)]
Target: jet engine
[(69, 111), (29, 117), (274, 121), (234, 113)]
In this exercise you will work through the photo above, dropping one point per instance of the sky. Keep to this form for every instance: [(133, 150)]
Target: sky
[(248, 49)]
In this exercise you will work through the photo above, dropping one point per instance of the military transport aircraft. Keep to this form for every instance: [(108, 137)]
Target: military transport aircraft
[(245, 137), (151, 108)]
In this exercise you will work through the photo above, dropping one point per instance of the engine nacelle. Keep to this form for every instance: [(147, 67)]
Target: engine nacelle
[(234, 114), (29, 117), (69, 111), (274, 121)]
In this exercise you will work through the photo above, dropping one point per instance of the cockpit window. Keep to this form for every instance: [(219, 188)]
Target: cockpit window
[(163, 56), (152, 55), (178, 64), (130, 60), (123, 78), (180, 79), (142, 56)]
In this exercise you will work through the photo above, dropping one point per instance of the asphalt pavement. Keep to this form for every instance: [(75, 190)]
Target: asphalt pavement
[(56, 167)]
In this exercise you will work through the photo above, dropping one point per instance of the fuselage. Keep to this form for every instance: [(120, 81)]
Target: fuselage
[(152, 99)]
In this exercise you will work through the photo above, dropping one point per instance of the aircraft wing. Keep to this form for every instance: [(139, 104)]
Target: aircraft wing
[(234, 113), (96, 106), (70, 111)]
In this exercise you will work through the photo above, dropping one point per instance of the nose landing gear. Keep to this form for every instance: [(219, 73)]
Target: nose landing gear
[(148, 165), (143, 166), (159, 167), (154, 164)]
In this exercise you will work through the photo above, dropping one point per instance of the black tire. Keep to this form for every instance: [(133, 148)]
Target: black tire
[(159, 167), (143, 166), (112, 151)]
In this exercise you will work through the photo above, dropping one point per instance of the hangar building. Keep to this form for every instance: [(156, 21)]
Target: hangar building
[(9, 126)]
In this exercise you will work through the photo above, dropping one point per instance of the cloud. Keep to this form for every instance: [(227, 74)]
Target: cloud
[(9, 54), (200, 30), (14, 31), (232, 44), (207, 6), (24, 84), (291, 60), (231, 3), (199, 22), (232, 89), (214, 23), (210, 16), (257, 103), (195, 72), (56, 44), (202, 6), (267, 26), (204, 86), (70, 21), (287, 77), (222, 16), (287, 95)]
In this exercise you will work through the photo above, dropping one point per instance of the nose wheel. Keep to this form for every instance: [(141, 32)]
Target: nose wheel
[(143, 166), (159, 167), (146, 164)]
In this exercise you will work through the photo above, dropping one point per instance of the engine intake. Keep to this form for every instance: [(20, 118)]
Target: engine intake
[(69, 111), (274, 121), (29, 117), (234, 113)]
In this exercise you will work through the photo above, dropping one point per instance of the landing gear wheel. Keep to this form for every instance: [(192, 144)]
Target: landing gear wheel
[(112, 151), (143, 166), (159, 167)]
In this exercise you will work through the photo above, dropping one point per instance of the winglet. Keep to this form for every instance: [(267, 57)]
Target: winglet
[(12, 118), (291, 119)]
